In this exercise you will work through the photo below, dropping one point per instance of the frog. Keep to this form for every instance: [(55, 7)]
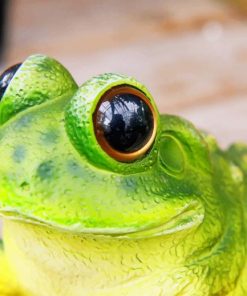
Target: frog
[(100, 194)]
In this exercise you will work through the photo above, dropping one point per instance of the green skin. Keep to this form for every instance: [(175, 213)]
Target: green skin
[(178, 212)]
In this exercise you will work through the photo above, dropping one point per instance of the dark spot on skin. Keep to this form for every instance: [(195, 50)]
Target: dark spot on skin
[(50, 137), (19, 154), (23, 122), (45, 170), (25, 185), (46, 67), (129, 185), (75, 170)]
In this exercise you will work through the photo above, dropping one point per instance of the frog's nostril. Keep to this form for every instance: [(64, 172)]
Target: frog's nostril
[(6, 77)]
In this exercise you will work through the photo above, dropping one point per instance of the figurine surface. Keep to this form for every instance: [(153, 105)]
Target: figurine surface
[(101, 195)]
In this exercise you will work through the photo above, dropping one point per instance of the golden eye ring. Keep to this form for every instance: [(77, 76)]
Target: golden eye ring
[(125, 123)]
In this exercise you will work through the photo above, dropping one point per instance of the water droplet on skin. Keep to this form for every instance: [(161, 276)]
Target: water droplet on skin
[(145, 205), (135, 197)]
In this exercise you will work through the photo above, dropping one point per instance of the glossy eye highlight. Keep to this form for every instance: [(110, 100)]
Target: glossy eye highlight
[(6, 77), (125, 123)]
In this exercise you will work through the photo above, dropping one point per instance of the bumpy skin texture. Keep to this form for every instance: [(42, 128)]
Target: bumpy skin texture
[(78, 222)]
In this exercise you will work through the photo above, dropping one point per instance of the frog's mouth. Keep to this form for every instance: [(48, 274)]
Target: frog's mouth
[(190, 216)]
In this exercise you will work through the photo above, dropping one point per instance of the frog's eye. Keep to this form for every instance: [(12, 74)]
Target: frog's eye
[(125, 123), (6, 77)]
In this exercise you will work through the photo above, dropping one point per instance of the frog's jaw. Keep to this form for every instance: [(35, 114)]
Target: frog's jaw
[(68, 264), (176, 263)]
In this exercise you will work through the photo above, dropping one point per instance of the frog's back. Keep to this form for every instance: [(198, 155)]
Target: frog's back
[(238, 155)]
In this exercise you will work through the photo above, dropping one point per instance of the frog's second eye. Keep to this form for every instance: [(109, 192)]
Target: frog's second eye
[(6, 77), (125, 123)]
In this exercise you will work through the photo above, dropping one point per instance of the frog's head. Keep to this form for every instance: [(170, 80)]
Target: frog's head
[(98, 158)]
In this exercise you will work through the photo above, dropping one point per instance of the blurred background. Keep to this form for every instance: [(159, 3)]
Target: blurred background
[(191, 54)]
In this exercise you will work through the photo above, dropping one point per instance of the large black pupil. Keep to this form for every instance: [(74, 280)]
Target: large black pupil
[(126, 122), (6, 77)]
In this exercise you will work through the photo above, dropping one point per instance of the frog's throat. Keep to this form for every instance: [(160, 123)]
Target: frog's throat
[(189, 217)]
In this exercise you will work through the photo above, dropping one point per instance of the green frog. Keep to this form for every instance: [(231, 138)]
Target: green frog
[(101, 195)]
